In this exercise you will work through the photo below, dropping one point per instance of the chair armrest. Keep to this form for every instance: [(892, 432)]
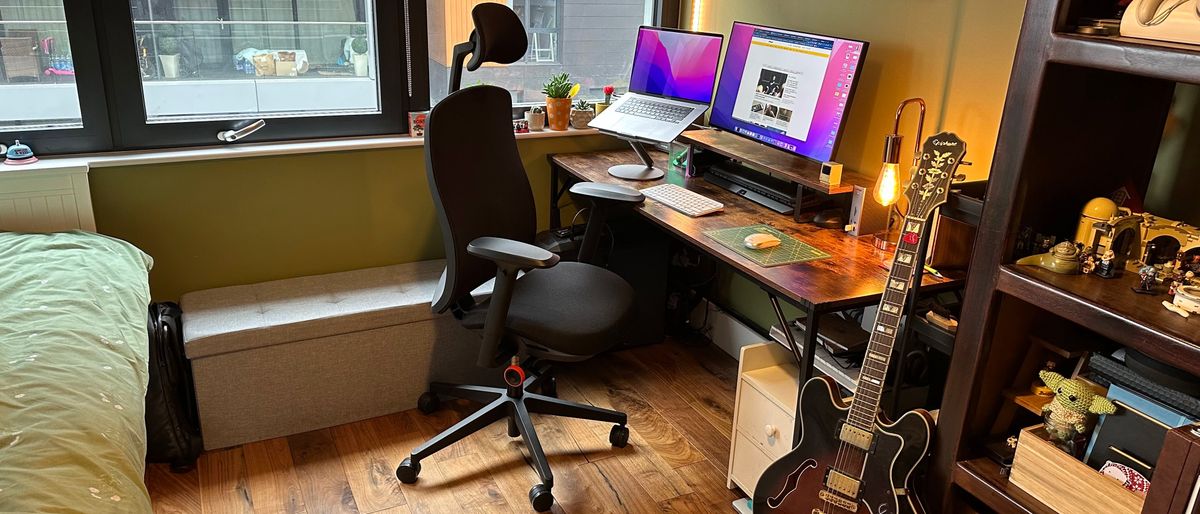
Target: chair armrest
[(512, 253), (611, 194)]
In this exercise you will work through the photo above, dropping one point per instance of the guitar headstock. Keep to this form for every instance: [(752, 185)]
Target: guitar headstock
[(941, 155)]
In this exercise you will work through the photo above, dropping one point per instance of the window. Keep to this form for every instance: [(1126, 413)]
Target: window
[(233, 59), (37, 77), (592, 40)]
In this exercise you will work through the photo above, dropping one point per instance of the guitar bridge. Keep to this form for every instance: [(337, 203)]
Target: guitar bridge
[(842, 483), (838, 501), (856, 437)]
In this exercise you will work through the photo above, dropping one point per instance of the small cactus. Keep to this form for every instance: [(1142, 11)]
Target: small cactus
[(582, 105), (536, 109)]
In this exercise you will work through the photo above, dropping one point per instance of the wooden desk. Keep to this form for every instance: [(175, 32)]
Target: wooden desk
[(853, 277)]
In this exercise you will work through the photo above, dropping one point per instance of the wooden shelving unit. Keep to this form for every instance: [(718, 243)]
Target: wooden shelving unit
[(1082, 118)]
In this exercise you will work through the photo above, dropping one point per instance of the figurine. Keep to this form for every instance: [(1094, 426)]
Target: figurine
[(1148, 274), (1069, 414), (1089, 263), (1107, 267), (1192, 263), (1063, 258)]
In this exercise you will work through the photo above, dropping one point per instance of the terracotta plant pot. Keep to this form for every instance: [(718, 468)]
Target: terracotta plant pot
[(581, 118), (558, 113), (536, 120)]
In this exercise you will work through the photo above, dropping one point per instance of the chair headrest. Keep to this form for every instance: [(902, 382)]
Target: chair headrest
[(499, 36)]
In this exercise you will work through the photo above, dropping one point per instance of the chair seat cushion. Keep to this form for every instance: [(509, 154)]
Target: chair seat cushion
[(572, 308)]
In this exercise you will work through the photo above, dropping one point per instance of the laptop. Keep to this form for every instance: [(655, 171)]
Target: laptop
[(671, 85)]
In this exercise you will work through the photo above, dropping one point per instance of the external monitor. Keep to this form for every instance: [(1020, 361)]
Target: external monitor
[(787, 89), (675, 64)]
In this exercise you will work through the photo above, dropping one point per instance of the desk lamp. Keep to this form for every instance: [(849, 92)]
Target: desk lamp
[(887, 186)]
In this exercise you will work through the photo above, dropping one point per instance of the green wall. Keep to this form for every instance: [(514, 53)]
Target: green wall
[(237, 221)]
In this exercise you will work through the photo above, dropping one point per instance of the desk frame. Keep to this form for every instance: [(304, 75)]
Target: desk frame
[(562, 178)]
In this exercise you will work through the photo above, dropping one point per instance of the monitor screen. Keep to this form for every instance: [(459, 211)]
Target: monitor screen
[(675, 64), (787, 89)]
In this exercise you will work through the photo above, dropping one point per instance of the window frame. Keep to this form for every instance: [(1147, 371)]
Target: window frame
[(89, 88), (130, 129)]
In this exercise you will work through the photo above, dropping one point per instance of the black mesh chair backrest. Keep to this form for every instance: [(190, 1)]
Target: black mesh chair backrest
[(479, 184)]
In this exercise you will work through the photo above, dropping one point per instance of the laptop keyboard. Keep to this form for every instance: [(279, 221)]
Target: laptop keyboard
[(661, 111)]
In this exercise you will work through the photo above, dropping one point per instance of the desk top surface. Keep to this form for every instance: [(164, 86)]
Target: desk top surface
[(854, 275)]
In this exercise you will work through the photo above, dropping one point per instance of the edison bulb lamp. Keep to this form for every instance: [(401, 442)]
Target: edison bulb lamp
[(887, 185)]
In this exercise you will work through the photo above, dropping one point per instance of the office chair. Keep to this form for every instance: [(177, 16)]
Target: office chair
[(540, 309)]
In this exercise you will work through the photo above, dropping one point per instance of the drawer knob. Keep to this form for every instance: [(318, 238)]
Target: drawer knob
[(770, 430)]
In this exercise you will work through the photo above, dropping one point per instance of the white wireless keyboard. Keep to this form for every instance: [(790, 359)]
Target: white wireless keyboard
[(682, 200)]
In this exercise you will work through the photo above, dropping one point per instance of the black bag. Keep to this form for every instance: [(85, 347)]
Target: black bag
[(172, 422)]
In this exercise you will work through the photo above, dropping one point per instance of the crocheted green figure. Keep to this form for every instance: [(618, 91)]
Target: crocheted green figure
[(1069, 414)]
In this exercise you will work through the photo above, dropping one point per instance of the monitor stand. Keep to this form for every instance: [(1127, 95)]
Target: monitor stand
[(644, 171)]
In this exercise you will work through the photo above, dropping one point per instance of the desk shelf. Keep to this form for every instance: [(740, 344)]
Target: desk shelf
[(982, 479), (774, 162)]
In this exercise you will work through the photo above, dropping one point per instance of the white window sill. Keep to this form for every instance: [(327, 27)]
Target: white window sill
[(235, 151)]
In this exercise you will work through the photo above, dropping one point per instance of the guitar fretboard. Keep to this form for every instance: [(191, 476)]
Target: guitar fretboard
[(873, 374)]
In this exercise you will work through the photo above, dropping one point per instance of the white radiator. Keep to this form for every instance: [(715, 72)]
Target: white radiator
[(45, 200)]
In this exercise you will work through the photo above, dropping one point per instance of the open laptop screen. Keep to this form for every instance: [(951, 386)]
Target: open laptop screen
[(675, 64)]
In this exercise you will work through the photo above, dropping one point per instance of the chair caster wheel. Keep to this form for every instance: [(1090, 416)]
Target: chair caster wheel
[(550, 387), (541, 498), (408, 470), (619, 436), (428, 403)]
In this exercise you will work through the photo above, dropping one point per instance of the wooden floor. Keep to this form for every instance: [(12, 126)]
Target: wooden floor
[(679, 399)]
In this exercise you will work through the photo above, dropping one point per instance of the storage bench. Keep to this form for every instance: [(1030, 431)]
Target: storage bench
[(300, 354)]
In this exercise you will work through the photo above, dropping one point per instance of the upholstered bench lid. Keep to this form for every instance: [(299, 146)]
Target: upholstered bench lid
[(237, 318)]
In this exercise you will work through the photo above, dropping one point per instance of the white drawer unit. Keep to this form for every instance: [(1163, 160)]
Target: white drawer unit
[(764, 415), (45, 200)]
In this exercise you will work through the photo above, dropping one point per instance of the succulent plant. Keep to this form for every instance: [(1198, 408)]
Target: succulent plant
[(559, 86), (536, 110), (582, 105)]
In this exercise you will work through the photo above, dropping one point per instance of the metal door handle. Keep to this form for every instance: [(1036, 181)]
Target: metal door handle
[(230, 136)]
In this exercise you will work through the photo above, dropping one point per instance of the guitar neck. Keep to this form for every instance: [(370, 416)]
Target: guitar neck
[(873, 374)]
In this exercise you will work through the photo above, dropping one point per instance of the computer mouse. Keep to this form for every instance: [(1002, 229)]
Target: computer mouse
[(829, 219), (760, 241)]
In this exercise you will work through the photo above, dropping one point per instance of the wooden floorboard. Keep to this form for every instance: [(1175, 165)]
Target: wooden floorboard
[(679, 399)]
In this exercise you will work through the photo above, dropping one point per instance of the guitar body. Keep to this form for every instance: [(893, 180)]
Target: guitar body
[(793, 483)]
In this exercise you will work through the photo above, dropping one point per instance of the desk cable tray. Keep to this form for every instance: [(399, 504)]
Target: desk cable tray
[(789, 251)]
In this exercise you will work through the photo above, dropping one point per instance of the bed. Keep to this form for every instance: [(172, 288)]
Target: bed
[(73, 373)]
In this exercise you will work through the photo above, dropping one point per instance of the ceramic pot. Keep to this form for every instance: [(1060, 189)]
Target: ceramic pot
[(170, 65), (581, 118), (601, 106), (536, 120), (558, 113), (360, 64)]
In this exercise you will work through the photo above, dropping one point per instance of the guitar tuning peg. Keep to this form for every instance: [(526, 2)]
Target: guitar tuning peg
[(960, 177)]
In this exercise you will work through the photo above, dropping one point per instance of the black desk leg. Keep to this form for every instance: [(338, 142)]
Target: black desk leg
[(555, 216), (805, 359)]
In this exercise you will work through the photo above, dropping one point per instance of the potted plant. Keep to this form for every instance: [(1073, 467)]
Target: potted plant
[(168, 56), (359, 56), (536, 117), (582, 113), (608, 92), (559, 92)]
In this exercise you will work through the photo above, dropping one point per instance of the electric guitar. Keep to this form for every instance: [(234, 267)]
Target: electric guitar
[(850, 459)]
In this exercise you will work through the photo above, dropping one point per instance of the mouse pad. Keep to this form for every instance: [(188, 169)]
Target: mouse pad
[(789, 251)]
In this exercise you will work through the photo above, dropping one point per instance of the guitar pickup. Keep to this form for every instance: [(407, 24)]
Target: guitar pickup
[(842, 483), (856, 437), (837, 501)]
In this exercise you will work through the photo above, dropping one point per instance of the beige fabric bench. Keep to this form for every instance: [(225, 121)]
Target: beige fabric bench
[(294, 355)]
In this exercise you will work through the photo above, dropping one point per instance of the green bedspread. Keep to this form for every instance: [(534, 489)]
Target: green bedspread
[(73, 373)]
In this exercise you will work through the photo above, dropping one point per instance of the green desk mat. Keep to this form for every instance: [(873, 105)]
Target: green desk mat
[(789, 251)]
